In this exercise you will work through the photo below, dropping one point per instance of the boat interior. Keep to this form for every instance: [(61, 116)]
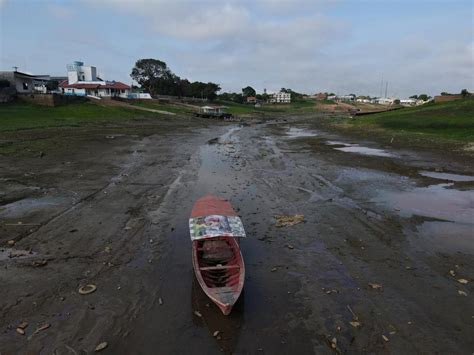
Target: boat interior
[(219, 262)]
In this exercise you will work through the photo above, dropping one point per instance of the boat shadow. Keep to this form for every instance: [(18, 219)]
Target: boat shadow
[(229, 327)]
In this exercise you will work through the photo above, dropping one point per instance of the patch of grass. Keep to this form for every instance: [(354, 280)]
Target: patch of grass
[(451, 120), (16, 116), (176, 108), (242, 109)]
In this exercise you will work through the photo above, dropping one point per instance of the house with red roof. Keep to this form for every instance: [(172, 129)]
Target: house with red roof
[(83, 81)]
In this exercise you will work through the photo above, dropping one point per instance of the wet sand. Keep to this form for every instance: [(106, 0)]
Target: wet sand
[(114, 212)]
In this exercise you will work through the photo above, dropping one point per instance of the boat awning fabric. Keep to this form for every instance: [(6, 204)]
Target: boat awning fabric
[(212, 205), (213, 226)]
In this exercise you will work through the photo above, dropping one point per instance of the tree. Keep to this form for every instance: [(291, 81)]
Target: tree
[(465, 93), (248, 91), (444, 93), (154, 76), (414, 97), (424, 97), (52, 85)]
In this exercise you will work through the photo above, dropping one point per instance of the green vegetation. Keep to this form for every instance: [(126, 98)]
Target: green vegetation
[(15, 116), (158, 79), (451, 120), (178, 109)]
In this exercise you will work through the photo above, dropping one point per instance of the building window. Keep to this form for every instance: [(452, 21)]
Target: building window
[(25, 86)]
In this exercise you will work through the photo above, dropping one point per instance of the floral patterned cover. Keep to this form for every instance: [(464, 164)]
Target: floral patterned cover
[(213, 226)]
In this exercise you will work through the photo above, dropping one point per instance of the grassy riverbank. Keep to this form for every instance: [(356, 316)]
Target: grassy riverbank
[(15, 116), (449, 120)]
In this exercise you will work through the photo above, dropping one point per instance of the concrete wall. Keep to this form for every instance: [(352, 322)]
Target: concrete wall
[(77, 92), (7, 94)]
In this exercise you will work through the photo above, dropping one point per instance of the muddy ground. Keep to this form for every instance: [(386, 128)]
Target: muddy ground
[(379, 265)]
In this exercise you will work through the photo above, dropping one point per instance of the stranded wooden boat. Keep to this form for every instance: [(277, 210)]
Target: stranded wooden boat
[(217, 260)]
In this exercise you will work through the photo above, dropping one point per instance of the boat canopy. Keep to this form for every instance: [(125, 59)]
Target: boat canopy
[(213, 226)]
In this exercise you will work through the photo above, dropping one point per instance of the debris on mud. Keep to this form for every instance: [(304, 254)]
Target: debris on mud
[(287, 221), (385, 338), (375, 286), (101, 346), (87, 289), (20, 328), (216, 333), (22, 325), (355, 324), (462, 293), (213, 141), (463, 281), (197, 313), (42, 327), (333, 344), (39, 263)]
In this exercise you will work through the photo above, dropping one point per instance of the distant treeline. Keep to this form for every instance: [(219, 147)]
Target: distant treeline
[(154, 76)]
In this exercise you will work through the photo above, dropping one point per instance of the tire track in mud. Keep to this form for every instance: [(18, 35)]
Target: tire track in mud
[(108, 269)]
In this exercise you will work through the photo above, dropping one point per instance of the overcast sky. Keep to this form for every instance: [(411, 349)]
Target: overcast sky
[(423, 46)]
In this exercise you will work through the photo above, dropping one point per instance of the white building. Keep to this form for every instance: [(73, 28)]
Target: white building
[(83, 81), (25, 83), (408, 102), (383, 101), (280, 98)]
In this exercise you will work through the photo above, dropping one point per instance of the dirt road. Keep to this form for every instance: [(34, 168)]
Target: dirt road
[(379, 265)]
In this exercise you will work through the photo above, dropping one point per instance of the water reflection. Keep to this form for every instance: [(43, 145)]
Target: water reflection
[(229, 327)]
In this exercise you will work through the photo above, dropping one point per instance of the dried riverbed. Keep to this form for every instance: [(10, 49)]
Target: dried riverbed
[(375, 266)]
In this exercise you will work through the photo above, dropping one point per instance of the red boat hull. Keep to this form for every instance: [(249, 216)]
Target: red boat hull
[(217, 261)]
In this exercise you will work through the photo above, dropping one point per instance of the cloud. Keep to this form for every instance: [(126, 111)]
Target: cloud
[(295, 43), (60, 11)]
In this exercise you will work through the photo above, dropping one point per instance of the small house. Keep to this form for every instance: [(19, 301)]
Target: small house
[(251, 100), (25, 83), (280, 98), (84, 81)]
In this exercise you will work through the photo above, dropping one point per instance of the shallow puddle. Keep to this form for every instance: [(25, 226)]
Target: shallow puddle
[(27, 206), (436, 201), (338, 143), (447, 176), (447, 236), (294, 132), (355, 148), (10, 253)]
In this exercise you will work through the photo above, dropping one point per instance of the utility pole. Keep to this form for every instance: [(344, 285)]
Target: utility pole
[(15, 68), (381, 87)]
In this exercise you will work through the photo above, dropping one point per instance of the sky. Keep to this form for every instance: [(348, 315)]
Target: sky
[(353, 46)]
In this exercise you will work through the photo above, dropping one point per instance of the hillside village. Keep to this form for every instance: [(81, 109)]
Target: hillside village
[(85, 81)]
